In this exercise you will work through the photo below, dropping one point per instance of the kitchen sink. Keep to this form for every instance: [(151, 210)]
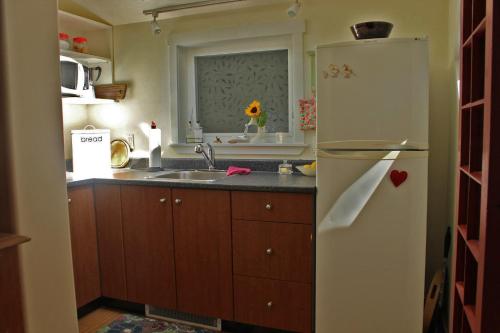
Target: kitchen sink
[(203, 176)]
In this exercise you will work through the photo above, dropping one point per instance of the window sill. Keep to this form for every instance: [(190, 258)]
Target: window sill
[(246, 148)]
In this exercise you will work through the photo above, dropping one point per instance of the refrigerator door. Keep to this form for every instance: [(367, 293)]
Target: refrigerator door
[(384, 100), (370, 241)]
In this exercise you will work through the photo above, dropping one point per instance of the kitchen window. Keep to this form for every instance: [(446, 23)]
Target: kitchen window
[(216, 75)]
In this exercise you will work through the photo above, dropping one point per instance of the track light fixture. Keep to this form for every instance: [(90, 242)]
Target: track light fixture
[(155, 27), (192, 5), (294, 9)]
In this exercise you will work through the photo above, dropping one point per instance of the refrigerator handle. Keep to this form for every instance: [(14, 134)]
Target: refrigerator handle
[(371, 155)]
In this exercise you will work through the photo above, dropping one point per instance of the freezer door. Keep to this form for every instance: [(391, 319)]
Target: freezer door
[(371, 237), (384, 99)]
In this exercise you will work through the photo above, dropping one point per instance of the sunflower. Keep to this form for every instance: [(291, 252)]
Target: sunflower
[(253, 110)]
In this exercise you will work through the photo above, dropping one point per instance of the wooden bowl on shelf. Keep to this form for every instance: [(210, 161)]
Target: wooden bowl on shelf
[(115, 92)]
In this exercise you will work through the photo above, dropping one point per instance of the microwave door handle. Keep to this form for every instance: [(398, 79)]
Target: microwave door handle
[(99, 72)]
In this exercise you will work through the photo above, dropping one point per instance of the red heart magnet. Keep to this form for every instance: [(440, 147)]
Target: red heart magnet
[(398, 177)]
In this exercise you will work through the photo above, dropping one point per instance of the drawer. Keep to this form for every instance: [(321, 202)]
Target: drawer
[(272, 303), (279, 251), (277, 207)]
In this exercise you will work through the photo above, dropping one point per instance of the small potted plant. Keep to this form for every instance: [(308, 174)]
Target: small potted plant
[(257, 118)]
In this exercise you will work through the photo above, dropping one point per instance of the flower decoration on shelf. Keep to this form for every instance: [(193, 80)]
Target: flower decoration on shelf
[(254, 109), (257, 116)]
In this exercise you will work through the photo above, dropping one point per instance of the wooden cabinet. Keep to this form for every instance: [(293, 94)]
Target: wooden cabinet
[(273, 303), (203, 264), (272, 257), (279, 251), (84, 244), (277, 207), (149, 245), (108, 209), (239, 256)]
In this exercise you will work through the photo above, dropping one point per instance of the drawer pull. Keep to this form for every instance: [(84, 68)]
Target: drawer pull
[(69, 200), (269, 206), (269, 251), (269, 304), (163, 200), (178, 201)]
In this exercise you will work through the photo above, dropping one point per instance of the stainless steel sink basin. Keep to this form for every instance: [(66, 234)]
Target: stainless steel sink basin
[(204, 176)]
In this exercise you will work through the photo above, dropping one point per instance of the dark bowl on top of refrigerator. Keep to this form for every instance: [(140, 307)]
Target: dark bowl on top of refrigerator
[(375, 29)]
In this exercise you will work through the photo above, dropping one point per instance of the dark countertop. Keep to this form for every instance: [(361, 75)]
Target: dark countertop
[(256, 181)]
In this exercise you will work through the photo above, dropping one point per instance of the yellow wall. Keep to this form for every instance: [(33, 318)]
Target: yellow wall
[(35, 119), (141, 58)]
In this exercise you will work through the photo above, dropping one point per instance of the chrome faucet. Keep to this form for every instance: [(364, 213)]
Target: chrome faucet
[(209, 157)]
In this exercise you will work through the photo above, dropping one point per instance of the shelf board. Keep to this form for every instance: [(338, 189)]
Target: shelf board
[(470, 313), (89, 59), (11, 240), (460, 290), (474, 104), (472, 244), (479, 29), (82, 22), (86, 101), (474, 175)]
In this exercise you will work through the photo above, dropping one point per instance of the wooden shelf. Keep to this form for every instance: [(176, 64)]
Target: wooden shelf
[(478, 30), (473, 104), (475, 175), (11, 240), (472, 244), (460, 290), (89, 59), (470, 314), (475, 301), (86, 101)]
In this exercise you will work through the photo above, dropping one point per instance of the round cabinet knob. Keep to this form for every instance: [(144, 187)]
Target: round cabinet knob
[(269, 251), (69, 200), (269, 304), (269, 206), (178, 201), (163, 200)]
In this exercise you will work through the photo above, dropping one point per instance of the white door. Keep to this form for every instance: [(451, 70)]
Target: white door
[(384, 99), (371, 235)]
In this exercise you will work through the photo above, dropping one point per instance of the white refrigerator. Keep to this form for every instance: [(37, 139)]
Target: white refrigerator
[(372, 152)]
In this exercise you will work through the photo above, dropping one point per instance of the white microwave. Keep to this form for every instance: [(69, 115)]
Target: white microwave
[(76, 78)]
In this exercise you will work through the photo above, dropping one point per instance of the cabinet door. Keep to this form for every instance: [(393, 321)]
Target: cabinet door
[(273, 303), (11, 307), (149, 248), (84, 244), (108, 209), (202, 225), (280, 251)]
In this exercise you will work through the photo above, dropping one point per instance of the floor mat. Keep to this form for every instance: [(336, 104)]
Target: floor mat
[(135, 324)]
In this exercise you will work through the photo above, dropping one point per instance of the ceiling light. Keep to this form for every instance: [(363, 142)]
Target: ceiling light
[(155, 27), (294, 9)]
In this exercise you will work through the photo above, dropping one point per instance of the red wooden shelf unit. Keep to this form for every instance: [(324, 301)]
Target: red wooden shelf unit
[(476, 295)]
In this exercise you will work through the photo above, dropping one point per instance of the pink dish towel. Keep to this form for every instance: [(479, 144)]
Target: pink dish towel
[(232, 170)]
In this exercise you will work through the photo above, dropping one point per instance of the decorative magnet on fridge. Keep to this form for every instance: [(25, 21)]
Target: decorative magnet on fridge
[(307, 113), (398, 177)]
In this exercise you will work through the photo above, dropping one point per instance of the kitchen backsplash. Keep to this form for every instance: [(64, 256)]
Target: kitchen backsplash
[(223, 164)]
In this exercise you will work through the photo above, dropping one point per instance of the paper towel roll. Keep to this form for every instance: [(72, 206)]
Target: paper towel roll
[(155, 148)]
